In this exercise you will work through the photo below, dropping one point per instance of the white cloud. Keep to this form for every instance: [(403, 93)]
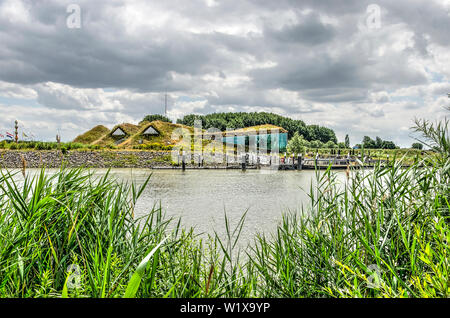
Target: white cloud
[(14, 11), (11, 90)]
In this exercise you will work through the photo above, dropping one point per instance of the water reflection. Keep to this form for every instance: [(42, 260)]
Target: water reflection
[(201, 197)]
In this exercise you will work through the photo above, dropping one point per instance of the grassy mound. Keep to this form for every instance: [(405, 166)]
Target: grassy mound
[(134, 138), (110, 140), (134, 135), (164, 138), (266, 127), (92, 135)]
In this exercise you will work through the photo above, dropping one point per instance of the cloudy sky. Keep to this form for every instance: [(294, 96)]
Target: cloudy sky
[(336, 63)]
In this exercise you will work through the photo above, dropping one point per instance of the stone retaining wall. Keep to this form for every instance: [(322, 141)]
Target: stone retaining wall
[(92, 159)]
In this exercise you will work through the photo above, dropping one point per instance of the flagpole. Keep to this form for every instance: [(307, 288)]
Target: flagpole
[(16, 137)]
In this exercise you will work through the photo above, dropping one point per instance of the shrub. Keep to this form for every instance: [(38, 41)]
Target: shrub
[(40, 146), (3, 144), (153, 146)]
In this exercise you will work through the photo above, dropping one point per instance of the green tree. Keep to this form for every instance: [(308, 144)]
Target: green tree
[(316, 144), (330, 145), (378, 143), (156, 117), (322, 134), (297, 144), (368, 143), (243, 120), (347, 141), (417, 145), (389, 145)]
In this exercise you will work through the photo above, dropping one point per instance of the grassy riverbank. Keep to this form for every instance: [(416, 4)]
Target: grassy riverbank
[(381, 234)]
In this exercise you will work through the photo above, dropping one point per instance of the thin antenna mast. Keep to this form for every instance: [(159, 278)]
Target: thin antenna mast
[(165, 104)]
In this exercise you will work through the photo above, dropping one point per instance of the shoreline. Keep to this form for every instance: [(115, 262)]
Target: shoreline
[(157, 160)]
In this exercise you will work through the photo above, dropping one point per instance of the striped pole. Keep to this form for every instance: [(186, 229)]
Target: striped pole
[(16, 135)]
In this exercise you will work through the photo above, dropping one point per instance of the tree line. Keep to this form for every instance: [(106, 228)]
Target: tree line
[(313, 136), (223, 121), (378, 143), (298, 144), (156, 117)]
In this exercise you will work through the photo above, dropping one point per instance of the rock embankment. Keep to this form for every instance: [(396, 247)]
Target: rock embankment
[(91, 159)]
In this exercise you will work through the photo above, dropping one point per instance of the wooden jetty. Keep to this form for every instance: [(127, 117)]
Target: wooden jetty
[(247, 162)]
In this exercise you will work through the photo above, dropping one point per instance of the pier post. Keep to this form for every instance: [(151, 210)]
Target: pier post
[(243, 162), (183, 160), (299, 162)]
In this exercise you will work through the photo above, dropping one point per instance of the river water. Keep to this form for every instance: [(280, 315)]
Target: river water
[(202, 197)]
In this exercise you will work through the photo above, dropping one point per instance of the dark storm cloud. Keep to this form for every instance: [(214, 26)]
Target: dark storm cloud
[(99, 54), (103, 54), (348, 77), (423, 17), (310, 31), (84, 59), (239, 54)]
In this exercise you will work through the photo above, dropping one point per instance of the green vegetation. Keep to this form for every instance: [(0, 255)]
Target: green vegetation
[(374, 238), (151, 118), (119, 160), (378, 143), (92, 135), (166, 159), (347, 142), (241, 120), (163, 139), (417, 145), (43, 145), (297, 144), (134, 138), (125, 160), (407, 156), (153, 146), (384, 233), (109, 140)]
